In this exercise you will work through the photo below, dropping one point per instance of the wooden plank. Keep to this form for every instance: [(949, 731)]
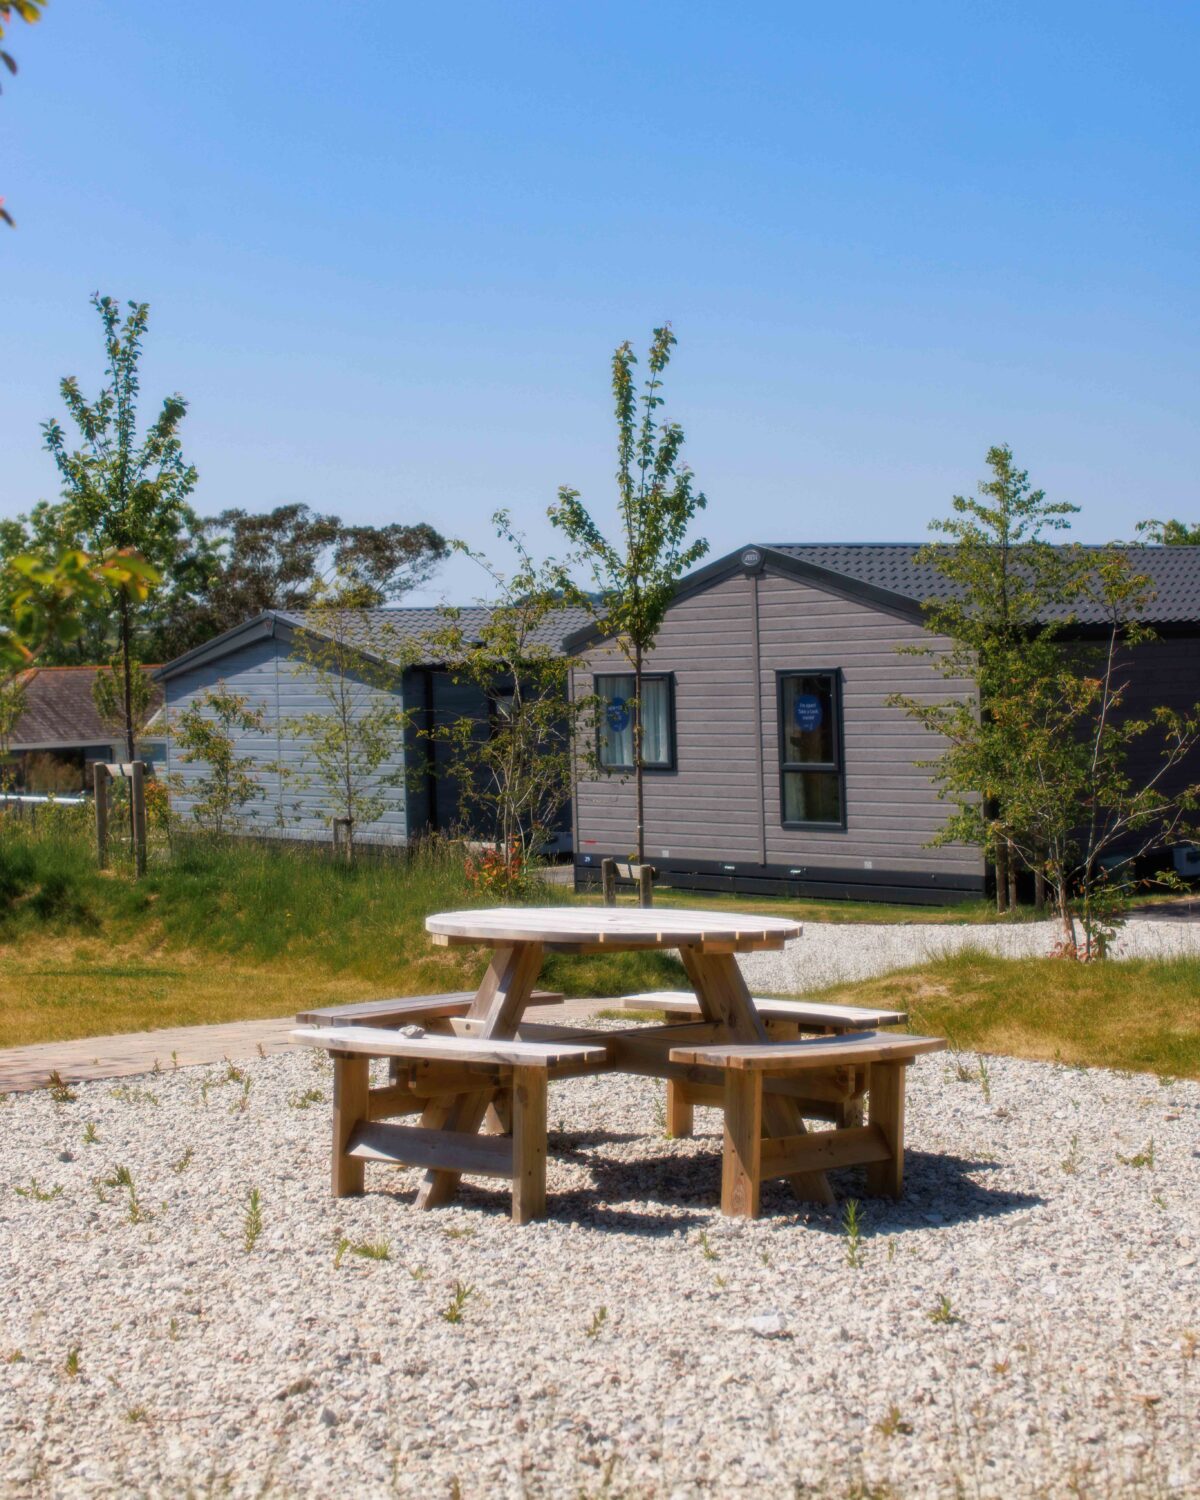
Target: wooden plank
[(452, 1150), (499, 1004), (741, 1165), (824, 1150), (852, 1047), (885, 1110), (528, 1145), (351, 1086), (713, 1096), (405, 1008), (808, 1013), (611, 928), (724, 998), (373, 1041), (680, 1114)]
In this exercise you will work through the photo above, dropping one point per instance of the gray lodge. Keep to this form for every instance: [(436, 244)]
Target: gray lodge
[(774, 760)]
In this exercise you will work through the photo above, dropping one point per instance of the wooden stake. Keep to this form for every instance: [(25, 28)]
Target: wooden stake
[(351, 1087), (100, 796), (608, 881), (137, 804), (645, 880), (529, 1144), (885, 1102), (741, 1167)]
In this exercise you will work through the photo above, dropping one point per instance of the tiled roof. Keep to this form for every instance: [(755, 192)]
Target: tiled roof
[(890, 566), (387, 632), (60, 710)]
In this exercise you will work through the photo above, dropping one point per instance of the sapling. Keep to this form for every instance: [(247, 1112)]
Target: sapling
[(60, 1090), (852, 1225), (252, 1224), (943, 1312), (599, 1318)]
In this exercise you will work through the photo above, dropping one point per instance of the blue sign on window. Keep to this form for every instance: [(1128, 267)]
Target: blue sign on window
[(808, 712), (617, 714)]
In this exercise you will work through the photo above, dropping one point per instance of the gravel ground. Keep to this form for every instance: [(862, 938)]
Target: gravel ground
[(635, 1344), (839, 952)]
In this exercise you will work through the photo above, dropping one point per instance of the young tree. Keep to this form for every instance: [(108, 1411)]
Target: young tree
[(514, 773), (360, 731), (111, 693), (635, 576), (1008, 601), (124, 493), (204, 735)]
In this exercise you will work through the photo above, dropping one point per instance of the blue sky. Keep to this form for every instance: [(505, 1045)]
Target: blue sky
[(389, 249)]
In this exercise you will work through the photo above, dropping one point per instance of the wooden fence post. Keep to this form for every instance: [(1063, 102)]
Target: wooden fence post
[(645, 879), (100, 795), (608, 881), (137, 799)]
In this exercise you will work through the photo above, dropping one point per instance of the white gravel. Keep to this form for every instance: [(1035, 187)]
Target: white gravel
[(634, 1344), (842, 952)]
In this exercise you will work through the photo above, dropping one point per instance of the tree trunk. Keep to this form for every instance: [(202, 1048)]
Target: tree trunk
[(1001, 876), (126, 665), (1039, 890), (638, 770), (1012, 878)]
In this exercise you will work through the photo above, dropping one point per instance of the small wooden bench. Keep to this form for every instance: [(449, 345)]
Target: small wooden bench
[(749, 1157), (441, 1068), (406, 1009), (784, 1019)]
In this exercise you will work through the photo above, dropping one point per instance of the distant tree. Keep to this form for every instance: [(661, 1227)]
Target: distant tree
[(515, 770), (204, 735), (634, 577), (360, 728), (12, 707), (124, 492), (1011, 595), (24, 10), (1170, 533)]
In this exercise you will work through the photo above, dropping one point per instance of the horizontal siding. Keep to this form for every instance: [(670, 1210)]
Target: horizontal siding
[(708, 808)]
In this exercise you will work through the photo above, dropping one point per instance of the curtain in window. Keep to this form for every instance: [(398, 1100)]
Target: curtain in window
[(615, 712)]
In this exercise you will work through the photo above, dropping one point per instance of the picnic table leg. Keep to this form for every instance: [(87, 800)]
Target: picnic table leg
[(724, 999), (351, 1084), (885, 1105), (529, 1144), (681, 1117), (496, 1013), (741, 1165)]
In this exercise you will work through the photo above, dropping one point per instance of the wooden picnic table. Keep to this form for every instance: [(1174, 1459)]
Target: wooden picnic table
[(707, 942)]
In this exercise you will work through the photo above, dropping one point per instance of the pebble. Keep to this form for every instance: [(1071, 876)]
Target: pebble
[(1012, 1329)]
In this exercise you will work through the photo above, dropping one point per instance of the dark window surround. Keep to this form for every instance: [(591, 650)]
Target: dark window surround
[(838, 766), (651, 765)]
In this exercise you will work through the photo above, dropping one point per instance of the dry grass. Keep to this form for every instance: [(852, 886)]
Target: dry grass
[(1135, 1014)]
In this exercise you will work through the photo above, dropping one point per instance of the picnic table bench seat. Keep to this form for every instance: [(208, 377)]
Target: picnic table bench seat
[(749, 1157), (405, 1009), (443, 1068)]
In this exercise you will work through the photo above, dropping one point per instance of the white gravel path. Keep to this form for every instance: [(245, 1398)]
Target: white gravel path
[(842, 952), (636, 1343)]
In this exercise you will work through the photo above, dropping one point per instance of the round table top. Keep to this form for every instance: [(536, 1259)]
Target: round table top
[(612, 927)]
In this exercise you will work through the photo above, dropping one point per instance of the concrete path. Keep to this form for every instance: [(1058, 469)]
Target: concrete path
[(25, 1068)]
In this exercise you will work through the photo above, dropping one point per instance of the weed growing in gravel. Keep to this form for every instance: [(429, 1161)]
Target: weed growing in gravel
[(1001, 1366), (182, 1163), (252, 1224), (599, 1318), (310, 1096), (71, 1366), (37, 1193), (262, 1051), (89, 1133), (121, 1177), (985, 1081), (1189, 1343), (157, 1068), (1070, 1162), (959, 1068), (232, 1074), (1143, 1158), (242, 1102), (721, 1282), (17, 1357), (418, 1273), (461, 1232), (373, 1249), (60, 1090), (339, 1252), (891, 1251), (128, 1095), (893, 1424), (852, 1227), (136, 1414), (173, 1330), (706, 1249), (453, 1311), (1159, 1201), (174, 1061), (943, 1312), (660, 1119), (765, 1256)]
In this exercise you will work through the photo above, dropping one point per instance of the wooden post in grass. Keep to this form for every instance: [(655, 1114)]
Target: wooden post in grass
[(645, 882), (137, 802), (100, 796), (608, 881)]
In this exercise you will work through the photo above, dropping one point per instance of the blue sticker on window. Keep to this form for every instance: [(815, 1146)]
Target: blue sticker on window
[(617, 714), (808, 712)]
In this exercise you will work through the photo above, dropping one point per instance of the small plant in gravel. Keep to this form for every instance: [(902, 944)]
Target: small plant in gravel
[(173, 1330), (242, 1101), (418, 1273), (181, 1164), (174, 1061), (299, 1100), (339, 1252), (706, 1250), (129, 1095), (1159, 1201), (1142, 1158), (120, 1177), (461, 1232), (1001, 1366), (38, 1193), (71, 1364), (599, 1318), (1070, 1162), (157, 1068), (232, 1074), (136, 1414), (59, 1089), (660, 1119), (893, 1424), (942, 1312), (721, 1282), (372, 1249), (891, 1250), (985, 1081), (453, 1311), (852, 1228), (252, 1224), (765, 1256), (17, 1357), (90, 1138)]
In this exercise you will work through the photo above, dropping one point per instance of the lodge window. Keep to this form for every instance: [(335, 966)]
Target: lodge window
[(614, 721), (812, 786)]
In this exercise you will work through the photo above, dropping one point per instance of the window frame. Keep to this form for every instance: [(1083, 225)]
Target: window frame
[(657, 766), (836, 767)]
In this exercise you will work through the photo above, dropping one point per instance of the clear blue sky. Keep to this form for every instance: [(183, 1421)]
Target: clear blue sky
[(389, 249)]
